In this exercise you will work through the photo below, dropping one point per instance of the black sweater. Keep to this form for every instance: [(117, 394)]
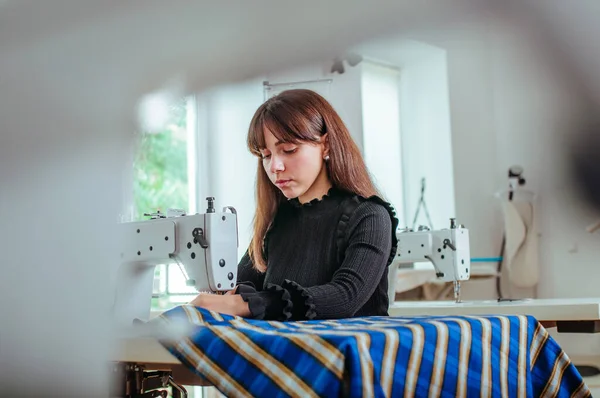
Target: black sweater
[(306, 276)]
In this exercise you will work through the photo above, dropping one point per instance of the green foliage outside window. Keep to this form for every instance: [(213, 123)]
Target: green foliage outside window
[(160, 180), (160, 166)]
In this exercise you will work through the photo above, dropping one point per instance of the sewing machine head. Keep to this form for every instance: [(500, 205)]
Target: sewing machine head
[(204, 245), (447, 249)]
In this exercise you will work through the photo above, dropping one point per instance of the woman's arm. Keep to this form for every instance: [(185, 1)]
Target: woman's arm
[(369, 237), (365, 260)]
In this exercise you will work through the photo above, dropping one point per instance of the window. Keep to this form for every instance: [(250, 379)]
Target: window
[(380, 87), (198, 149), (160, 166), (163, 179)]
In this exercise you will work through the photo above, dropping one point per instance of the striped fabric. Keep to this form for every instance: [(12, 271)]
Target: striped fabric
[(491, 356)]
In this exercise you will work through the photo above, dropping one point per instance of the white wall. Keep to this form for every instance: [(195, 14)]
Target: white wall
[(474, 165), (382, 145), (508, 106), (425, 125), (533, 108), (426, 138), (344, 92)]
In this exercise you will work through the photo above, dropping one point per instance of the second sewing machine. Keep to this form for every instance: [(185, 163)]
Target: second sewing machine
[(446, 249)]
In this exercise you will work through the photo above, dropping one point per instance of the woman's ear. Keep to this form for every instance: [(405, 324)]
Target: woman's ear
[(325, 141)]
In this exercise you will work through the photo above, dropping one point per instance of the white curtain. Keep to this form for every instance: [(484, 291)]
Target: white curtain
[(381, 131), (225, 169)]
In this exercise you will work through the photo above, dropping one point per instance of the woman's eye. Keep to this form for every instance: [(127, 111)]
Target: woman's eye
[(290, 150)]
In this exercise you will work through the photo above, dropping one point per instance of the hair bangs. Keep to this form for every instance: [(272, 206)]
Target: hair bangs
[(256, 137), (287, 125)]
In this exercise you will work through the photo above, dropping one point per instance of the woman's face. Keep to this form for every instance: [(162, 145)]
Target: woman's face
[(298, 170)]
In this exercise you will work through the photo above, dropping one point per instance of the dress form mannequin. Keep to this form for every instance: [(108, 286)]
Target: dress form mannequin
[(520, 249), (521, 255)]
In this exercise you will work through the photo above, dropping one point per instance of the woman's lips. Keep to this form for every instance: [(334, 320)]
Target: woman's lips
[(282, 183)]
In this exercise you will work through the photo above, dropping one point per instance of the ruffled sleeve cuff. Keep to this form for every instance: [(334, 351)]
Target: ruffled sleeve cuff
[(250, 295), (303, 304), (273, 303), (280, 303)]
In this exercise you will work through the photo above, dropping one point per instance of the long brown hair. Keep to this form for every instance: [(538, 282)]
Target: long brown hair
[(298, 116)]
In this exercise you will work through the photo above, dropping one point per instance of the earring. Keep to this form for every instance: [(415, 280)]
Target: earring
[(326, 158)]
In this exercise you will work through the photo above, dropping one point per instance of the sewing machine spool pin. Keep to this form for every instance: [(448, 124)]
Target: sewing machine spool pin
[(211, 204)]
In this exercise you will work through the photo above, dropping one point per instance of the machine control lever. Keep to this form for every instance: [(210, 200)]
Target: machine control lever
[(448, 243), (199, 237)]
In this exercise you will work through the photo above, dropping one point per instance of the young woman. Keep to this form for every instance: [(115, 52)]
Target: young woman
[(323, 238)]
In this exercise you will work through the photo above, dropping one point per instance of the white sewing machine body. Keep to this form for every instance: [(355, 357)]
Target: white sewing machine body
[(204, 245), (447, 249)]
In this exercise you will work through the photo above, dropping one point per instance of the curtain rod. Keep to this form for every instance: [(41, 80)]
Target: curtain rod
[(266, 82)]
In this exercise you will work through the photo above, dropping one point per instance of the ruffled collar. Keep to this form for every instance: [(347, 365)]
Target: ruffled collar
[(295, 202)]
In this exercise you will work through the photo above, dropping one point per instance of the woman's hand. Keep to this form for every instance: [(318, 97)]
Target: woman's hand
[(229, 303)]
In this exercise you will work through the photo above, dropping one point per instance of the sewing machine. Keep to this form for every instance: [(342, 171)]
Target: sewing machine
[(205, 248), (447, 249)]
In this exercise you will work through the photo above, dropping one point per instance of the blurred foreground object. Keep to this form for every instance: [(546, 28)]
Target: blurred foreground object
[(71, 75), (566, 31), (584, 155)]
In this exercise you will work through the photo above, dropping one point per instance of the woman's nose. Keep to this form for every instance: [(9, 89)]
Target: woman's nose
[(276, 164)]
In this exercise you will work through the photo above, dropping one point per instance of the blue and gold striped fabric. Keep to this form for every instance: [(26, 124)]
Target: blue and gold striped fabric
[(487, 356)]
